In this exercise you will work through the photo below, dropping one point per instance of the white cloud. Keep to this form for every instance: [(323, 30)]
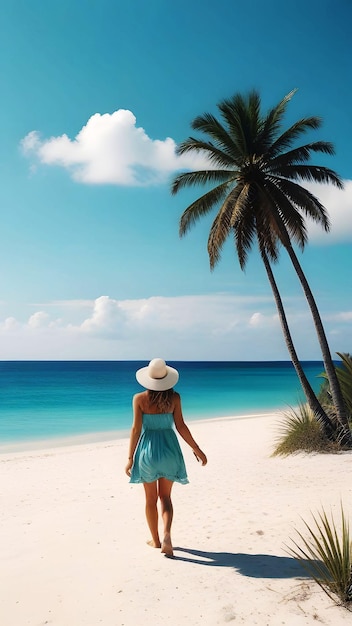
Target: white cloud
[(10, 323), (38, 319), (342, 316), (111, 149), (218, 326), (338, 204), (256, 319), (107, 318)]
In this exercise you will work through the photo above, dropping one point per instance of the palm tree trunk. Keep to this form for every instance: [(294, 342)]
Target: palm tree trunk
[(309, 393), (325, 350)]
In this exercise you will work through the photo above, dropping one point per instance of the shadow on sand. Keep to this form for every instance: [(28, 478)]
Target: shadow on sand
[(252, 565)]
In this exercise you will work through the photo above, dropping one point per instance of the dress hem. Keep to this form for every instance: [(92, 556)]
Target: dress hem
[(181, 481)]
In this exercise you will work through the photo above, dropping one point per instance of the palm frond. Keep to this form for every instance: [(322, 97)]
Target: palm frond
[(243, 224), (304, 200), (201, 207), (244, 236), (286, 221), (254, 118), (221, 227), (300, 154), (240, 207), (201, 177), (242, 118), (214, 154), (266, 230), (272, 123), (344, 375), (312, 173), (289, 136), (208, 124)]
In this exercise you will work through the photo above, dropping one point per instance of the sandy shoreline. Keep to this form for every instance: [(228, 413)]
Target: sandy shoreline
[(74, 536)]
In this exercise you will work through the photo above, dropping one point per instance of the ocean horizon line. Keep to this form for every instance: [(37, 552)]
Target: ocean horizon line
[(173, 360)]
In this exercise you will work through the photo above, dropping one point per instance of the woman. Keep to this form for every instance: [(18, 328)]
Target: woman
[(155, 457)]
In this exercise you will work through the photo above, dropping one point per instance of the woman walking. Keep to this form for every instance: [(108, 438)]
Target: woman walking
[(155, 457)]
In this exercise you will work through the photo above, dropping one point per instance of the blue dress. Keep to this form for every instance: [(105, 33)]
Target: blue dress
[(158, 453)]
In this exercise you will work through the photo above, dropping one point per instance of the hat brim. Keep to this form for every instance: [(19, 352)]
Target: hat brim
[(157, 384)]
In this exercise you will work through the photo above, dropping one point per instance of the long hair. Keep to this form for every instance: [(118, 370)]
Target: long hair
[(162, 400)]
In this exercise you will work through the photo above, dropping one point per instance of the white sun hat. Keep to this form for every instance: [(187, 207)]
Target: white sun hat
[(157, 376)]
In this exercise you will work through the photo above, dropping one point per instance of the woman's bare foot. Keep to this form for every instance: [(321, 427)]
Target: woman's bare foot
[(166, 546), (154, 544)]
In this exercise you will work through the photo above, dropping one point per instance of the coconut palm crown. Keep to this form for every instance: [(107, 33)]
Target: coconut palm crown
[(256, 175), (253, 179)]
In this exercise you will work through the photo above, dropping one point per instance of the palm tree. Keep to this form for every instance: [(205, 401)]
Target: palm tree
[(312, 399), (252, 179)]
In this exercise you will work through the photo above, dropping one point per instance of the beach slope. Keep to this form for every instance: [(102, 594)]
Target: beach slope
[(74, 536)]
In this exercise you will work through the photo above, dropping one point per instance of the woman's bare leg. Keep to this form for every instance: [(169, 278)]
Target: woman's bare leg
[(151, 512), (164, 492)]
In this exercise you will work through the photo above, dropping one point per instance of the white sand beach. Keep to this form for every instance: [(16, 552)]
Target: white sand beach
[(73, 535)]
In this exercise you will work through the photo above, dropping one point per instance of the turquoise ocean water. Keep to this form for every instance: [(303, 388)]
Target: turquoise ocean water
[(52, 399)]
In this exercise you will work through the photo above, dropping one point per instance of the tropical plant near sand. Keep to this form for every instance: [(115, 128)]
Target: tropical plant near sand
[(252, 180), (327, 556), (344, 375), (300, 431)]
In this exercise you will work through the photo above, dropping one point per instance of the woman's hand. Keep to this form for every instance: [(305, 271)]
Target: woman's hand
[(128, 467), (200, 456)]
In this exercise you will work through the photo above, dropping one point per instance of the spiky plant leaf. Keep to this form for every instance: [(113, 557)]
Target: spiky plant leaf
[(327, 556)]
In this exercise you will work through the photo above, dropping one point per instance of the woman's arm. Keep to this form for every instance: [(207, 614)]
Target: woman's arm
[(184, 431), (135, 432)]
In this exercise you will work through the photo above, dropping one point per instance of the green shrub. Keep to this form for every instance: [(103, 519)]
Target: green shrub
[(300, 431)]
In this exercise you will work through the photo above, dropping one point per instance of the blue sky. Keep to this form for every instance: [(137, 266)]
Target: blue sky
[(95, 96)]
